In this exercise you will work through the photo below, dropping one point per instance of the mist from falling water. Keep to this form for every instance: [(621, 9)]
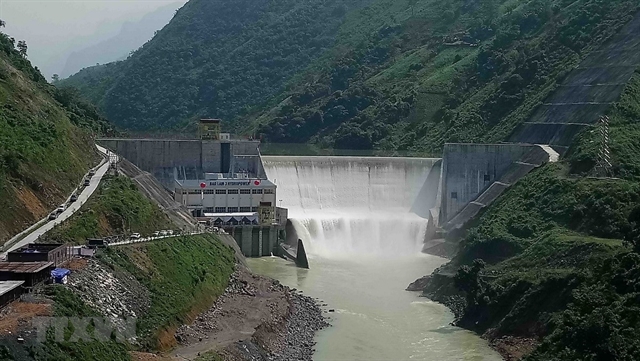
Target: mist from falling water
[(345, 206)]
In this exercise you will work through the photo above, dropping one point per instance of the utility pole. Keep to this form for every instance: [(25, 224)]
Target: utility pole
[(603, 166)]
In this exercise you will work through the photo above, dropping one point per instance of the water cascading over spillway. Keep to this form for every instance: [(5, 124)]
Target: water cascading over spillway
[(341, 206)]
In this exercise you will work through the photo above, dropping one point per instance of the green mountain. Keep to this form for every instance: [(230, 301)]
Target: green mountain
[(390, 74), (45, 141), (550, 270)]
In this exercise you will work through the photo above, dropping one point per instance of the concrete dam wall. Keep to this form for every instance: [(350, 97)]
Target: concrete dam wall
[(342, 206), (170, 159)]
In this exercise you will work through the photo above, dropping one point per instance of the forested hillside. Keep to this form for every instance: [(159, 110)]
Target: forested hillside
[(215, 58), (391, 74), (45, 141)]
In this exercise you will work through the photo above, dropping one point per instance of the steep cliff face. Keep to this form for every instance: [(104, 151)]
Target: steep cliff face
[(45, 141)]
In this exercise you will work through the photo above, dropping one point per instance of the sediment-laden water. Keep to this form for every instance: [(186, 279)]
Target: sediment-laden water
[(363, 221), (375, 318)]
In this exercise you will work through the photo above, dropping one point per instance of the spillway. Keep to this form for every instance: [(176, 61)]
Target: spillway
[(363, 221), (341, 206)]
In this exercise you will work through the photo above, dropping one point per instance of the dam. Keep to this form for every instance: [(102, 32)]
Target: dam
[(364, 221), (357, 205)]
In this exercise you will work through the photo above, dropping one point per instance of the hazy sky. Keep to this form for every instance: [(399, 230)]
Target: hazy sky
[(53, 28)]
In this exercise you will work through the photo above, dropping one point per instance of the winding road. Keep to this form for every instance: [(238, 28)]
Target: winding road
[(101, 170)]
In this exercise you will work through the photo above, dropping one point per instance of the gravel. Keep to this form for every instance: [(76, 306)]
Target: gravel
[(257, 318)]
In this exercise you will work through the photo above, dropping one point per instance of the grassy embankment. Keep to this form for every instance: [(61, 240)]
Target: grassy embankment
[(185, 275), (559, 265), (117, 207)]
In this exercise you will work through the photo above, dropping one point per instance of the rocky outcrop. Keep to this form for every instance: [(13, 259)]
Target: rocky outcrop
[(117, 296)]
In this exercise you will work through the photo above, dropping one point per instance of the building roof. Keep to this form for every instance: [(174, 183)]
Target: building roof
[(38, 248), (7, 286), (238, 215), (24, 267)]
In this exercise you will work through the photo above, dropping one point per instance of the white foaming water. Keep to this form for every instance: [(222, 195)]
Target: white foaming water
[(345, 205)]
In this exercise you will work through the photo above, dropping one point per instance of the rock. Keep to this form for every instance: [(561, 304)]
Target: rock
[(419, 284)]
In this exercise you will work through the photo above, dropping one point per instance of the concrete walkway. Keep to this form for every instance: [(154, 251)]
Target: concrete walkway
[(40, 228), (553, 155)]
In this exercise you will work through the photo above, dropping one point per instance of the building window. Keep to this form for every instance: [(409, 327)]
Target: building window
[(208, 191), (232, 210), (208, 210), (221, 191), (232, 191), (269, 191), (454, 195), (221, 209), (254, 209), (245, 209), (487, 177), (245, 191), (257, 191)]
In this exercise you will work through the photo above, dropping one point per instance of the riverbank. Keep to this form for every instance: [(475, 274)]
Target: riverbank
[(256, 318), (440, 288)]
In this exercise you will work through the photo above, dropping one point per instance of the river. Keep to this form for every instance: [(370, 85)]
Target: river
[(375, 318)]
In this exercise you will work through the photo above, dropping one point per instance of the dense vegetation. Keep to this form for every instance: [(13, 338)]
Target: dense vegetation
[(117, 207), (390, 74), (45, 143), (184, 275), (216, 58), (556, 259)]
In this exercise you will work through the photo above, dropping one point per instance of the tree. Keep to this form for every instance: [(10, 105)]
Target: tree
[(633, 234), (22, 48), (2, 23), (55, 78)]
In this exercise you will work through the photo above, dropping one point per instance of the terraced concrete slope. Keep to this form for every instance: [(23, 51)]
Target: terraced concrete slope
[(587, 92)]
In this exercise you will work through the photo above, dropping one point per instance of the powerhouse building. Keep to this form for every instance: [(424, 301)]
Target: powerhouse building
[(220, 179), (231, 199)]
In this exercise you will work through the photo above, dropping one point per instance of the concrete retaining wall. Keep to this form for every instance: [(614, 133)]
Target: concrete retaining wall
[(469, 169)]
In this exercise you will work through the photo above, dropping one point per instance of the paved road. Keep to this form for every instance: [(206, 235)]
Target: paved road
[(82, 198), (149, 239)]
